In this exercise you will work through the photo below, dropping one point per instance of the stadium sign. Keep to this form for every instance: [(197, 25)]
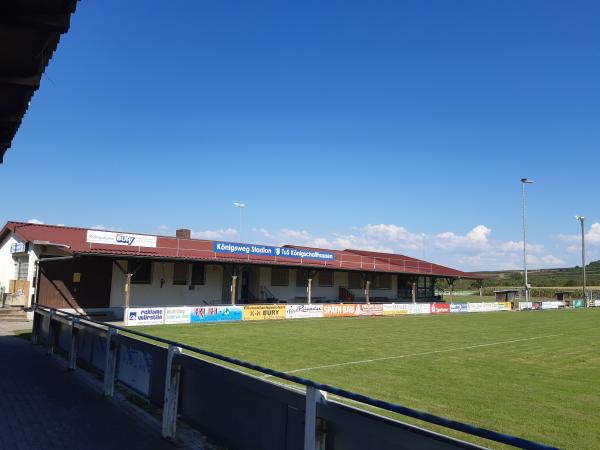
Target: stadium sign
[(126, 239), (303, 311), (266, 250), (215, 313)]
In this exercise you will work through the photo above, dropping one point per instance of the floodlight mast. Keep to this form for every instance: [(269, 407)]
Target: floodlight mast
[(582, 222), (241, 207), (525, 181)]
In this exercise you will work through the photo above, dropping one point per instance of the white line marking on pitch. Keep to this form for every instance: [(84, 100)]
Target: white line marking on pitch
[(409, 355)]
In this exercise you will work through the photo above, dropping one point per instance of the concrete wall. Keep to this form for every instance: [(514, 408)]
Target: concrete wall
[(169, 294)]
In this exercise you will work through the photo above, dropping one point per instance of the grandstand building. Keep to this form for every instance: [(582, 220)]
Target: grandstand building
[(90, 270)]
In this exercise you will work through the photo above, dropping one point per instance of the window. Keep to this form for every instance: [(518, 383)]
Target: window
[(326, 278), (355, 280), (198, 273), (301, 278), (180, 273), (22, 267), (382, 281), (141, 270), (280, 277)]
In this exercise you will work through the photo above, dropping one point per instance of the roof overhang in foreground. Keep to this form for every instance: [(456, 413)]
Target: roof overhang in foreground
[(75, 241), (29, 32)]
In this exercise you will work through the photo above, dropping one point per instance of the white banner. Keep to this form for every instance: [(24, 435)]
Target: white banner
[(525, 305), (129, 240), (553, 305), (177, 314), (144, 316), (596, 302), (393, 309), (303, 311), (419, 308)]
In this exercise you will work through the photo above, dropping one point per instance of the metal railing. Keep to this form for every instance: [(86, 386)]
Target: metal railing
[(315, 395)]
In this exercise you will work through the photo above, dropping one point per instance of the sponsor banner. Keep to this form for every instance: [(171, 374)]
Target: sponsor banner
[(578, 304), (553, 305), (339, 310), (17, 247), (504, 306), (459, 307), (303, 311), (440, 308), (525, 305), (144, 316), (369, 309), (419, 308), (177, 314), (475, 307), (110, 238), (267, 250), (395, 309), (596, 302), (215, 313), (536, 305), (264, 312)]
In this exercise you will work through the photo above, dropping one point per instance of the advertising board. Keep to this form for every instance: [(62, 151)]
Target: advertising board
[(144, 316), (525, 305), (553, 305), (395, 309), (504, 306), (536, 305), (596, 302), (419, 308), (440, 308), (459, 307), (338, 310), (303, 311), (200, 314), (264, 312), (130, 240), (177, 314), (577, 304)]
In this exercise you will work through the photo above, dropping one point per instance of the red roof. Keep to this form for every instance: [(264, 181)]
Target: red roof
[(168, 247)]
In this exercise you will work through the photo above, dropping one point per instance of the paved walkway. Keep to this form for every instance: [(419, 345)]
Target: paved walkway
[(44, 406)]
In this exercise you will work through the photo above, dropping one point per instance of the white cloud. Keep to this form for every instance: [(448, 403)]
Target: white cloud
[(225, 233), (35, 222)]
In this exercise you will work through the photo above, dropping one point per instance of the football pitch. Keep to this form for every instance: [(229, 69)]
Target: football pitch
[(533, 374)]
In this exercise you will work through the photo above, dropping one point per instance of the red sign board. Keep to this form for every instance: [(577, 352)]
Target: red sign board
[(440, 308)]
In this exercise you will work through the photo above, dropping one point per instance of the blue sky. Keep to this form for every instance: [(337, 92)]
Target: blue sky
[(400, 126)]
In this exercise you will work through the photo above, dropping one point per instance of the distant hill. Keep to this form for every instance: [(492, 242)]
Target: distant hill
[(565, 277)]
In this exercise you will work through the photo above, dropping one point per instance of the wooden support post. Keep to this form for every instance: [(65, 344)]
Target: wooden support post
[(451, 291), (414, 291), (127, 289), (367, 289), (313, 396), (110, 362), (233, 288), (73, 347), (169, 417), (309, 291)]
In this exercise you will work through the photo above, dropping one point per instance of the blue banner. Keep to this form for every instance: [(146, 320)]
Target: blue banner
[(266, 250), (459, 307), (216, 313)]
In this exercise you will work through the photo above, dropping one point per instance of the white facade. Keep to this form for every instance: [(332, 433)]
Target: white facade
[(9, 267), (216, 289), (169, 294)]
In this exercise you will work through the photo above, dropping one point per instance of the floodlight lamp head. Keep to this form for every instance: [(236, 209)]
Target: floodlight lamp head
[(526, 181), (580, 218), (239, 205)]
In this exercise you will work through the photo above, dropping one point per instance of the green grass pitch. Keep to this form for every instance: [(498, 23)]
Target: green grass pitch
[(534, 374)]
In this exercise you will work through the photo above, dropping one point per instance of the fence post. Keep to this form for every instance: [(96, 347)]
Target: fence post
[(169, 418), (110, 363), (73, 348), (35, 327), (50, 343), (313, 396)]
